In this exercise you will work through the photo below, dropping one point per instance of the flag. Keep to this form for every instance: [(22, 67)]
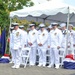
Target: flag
[(0, 35), (0, 40), (3, 42)]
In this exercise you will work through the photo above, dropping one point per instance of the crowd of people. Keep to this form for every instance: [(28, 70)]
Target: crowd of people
[(52, 38)]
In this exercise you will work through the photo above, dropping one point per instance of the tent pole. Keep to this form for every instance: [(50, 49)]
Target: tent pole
[(68, 17), (9, 33), (10, 24), (8, 37)]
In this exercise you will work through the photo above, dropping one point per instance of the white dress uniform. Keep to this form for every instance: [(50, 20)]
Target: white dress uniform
[(49, 28), (42, 38), (65, 39), (24, 39), (32, 37), (54, 40), (71, 40), (64, 42), (11, 50), (17, 46), (24, 36)]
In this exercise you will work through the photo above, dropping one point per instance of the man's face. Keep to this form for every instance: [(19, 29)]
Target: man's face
[(54, 27), (70, 27), (42, 28), (32, 27), (63, 28), (16, 27)]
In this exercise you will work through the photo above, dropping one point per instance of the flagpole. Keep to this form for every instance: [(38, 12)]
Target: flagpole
[(67, 30)]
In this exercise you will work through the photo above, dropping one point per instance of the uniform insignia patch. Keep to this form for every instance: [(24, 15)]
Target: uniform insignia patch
[(55, 33), (17, 34), (33, 34), (43, 34)]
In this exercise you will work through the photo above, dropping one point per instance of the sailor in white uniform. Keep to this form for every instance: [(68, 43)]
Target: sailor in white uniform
[(54, 43), (32, 43), (24, 39), (49, 28), (65, 40), (71, 38), (24, 36), (42, 44), (17, 45), (10, 45)]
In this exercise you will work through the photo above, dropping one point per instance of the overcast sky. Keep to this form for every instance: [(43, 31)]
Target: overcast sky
[(71, 2)]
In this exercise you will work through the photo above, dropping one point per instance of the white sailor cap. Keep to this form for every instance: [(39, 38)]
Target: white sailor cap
[(41, 25), (31, 25), (54, 24), (62, 25), (71, 25), (11, 27), (15, 24), (22, 26), (50, 26)]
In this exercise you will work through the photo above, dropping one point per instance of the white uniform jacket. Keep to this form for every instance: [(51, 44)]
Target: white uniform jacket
[(17, 39), (55, 38), (24, 38), (32, 37), (11, 40), (65, 40), (71, 37), (42, 38)]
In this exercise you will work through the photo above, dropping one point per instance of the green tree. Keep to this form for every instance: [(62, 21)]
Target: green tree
[(4, 19), (12, 5), (6, 6)]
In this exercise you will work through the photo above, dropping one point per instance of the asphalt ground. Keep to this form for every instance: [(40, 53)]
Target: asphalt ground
[(5, 69)]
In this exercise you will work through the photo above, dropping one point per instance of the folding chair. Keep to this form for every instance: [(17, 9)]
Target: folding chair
[(48, 56), (69, 51), (25, 55), (61, 55), (74, 52)]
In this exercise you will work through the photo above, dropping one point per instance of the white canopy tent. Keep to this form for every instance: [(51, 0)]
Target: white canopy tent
[(47, 12)]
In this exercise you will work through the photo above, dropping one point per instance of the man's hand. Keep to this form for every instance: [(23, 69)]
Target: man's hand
[(74, 45), (30, 43), (40, 44), (48, 46), (68, 46), (24, 46), (58, 47)]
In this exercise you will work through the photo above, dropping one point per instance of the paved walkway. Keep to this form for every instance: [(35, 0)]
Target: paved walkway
[(5, 69)]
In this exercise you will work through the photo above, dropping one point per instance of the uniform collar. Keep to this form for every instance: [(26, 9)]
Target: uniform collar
[(55, 29), (33, 30)]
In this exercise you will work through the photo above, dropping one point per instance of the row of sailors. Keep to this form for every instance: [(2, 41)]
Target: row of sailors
[(40, 40)]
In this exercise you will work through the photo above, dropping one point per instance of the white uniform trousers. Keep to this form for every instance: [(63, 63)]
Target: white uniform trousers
[(17, 57), (33, 56), (12, 55), (54, 56), (42, 56)]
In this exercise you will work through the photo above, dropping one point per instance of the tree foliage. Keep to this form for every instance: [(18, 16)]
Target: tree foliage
[(12, 5), (4, 20), (6, 6)]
